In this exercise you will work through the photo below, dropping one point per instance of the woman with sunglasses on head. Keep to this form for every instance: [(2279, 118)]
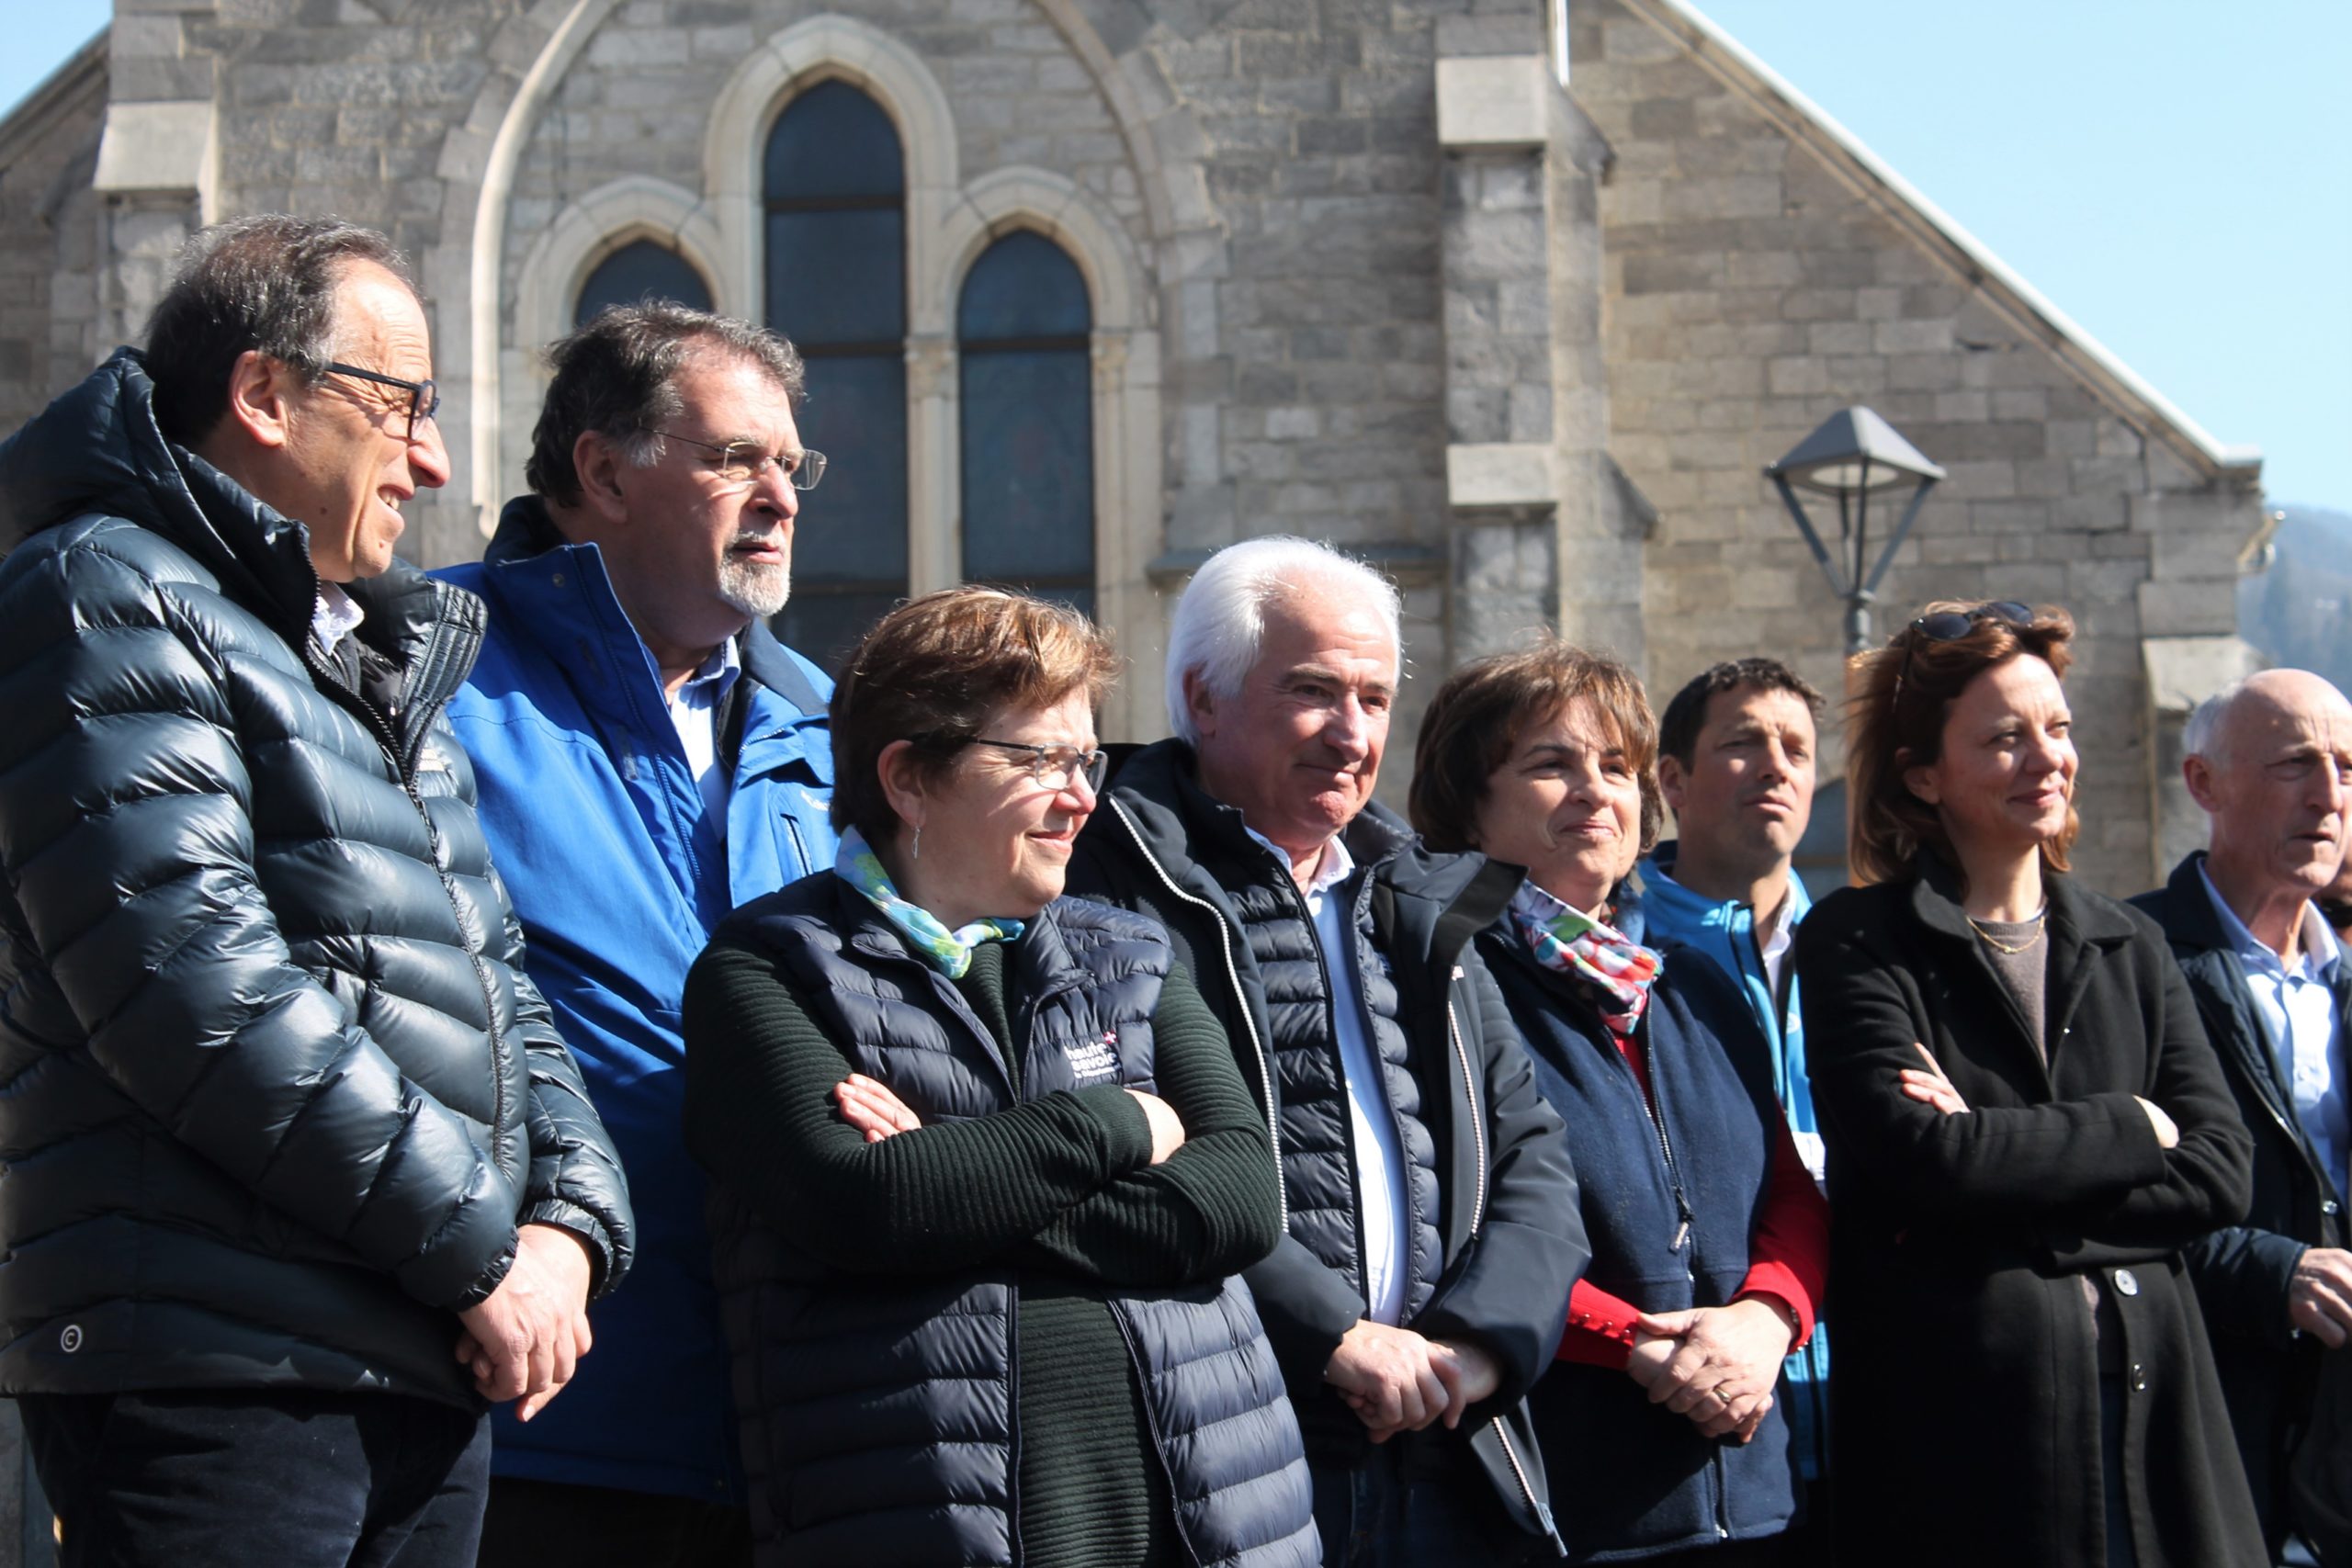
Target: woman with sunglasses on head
[(2024, 1123), (983, 1163)]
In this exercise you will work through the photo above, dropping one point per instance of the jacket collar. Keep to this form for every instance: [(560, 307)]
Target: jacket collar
[(2189, 917), (1675, 909), (559, 587), (2074, 920), (97, 450)]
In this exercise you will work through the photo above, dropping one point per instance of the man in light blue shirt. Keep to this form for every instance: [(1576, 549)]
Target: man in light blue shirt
[(2269, 760)]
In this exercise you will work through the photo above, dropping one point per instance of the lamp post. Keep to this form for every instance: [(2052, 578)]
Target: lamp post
[(1854, 454)]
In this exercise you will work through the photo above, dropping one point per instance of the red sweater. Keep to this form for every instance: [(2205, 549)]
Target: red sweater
[(1788, 1255)]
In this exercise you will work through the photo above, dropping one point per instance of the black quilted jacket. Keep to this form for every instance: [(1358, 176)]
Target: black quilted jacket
[(275, 1093)]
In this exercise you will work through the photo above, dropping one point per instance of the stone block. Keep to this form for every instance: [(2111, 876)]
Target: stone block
[(1492, 101), (2191, 607), (156, 147), (1500, 474)]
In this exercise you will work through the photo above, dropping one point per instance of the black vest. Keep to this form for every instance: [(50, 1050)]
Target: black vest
[(880, 1415)]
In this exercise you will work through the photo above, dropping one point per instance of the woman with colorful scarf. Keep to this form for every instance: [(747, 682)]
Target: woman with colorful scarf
[(983, 1164), (1709, 1242)]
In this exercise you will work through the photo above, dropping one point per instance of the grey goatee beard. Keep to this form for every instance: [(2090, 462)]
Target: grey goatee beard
[(755, 588)]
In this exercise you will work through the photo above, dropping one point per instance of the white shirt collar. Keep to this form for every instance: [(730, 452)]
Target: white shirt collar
[(334, 615), (1330, 872)]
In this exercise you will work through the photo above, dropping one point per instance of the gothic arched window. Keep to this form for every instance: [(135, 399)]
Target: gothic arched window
[(640, 271), (835, 187), (1027, 415)]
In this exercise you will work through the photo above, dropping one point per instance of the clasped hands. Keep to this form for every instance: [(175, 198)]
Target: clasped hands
[(525, 1340), (1716, 1365), (1396, 1380)]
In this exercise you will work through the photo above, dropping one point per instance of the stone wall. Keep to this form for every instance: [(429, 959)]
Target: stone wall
[(48, 235), (1757, 282)]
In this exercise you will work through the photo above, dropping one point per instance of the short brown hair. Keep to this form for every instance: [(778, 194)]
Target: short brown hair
[(1679, 727), (267, 283), (617, 376), (1889, 730), (1479, 715), (936, 669)]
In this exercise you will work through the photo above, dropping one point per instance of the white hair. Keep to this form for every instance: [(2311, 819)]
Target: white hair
[(1220, 620), (2201, 737)]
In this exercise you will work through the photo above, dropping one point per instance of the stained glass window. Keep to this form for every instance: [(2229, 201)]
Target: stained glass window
[(1028, 416), (640, 271), (835, 188)]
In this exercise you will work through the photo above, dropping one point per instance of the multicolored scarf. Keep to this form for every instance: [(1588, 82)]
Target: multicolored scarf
[(1613, 967), (949, 952)]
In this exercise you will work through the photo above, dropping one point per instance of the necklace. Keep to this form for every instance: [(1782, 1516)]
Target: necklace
[(2039, 922)]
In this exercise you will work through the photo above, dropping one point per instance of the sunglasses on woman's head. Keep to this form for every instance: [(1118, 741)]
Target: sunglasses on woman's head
[(1951, 626)]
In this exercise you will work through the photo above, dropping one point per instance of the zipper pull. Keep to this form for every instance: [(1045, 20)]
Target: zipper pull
[(1681, 1235)]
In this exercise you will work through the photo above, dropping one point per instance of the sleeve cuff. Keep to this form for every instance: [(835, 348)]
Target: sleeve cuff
[(1126, 1130), (1601, 1329)]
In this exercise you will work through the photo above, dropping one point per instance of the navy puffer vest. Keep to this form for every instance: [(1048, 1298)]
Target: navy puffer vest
[(880, 1415), (1318, 1150), (1630, 1478)]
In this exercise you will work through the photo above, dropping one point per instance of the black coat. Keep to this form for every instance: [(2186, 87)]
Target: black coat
[(1513, 1243), (2268, 1372), (1966, 1396), (277, 1091)]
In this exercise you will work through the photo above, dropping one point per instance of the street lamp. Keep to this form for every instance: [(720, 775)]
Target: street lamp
[(1854, 453)]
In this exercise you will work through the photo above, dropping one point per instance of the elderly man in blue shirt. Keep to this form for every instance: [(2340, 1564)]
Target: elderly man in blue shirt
[(2269, 758)]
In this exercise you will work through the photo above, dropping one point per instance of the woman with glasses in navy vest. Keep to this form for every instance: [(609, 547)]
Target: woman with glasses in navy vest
[(982, 1161), (1660, 1429), (2024, 1124)]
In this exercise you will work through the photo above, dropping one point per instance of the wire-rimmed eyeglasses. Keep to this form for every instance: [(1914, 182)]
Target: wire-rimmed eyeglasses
[(743, 462), (1057, 767)]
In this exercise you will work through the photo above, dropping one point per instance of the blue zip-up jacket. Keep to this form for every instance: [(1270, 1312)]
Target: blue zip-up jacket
[(620, 878), (1725, 930)]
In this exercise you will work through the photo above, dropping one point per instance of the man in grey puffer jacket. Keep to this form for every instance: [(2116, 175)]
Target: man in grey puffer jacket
[(296, 1175)]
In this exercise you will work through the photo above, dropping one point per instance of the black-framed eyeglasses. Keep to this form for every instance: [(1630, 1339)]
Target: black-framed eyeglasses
[(743, 462), (423, 398), (1057, 767), (1951, 626)]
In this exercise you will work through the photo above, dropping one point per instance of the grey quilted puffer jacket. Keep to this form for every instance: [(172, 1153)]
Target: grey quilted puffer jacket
[(275, 1093)]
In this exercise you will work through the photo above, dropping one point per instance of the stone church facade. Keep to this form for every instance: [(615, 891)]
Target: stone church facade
[(1514, 298)]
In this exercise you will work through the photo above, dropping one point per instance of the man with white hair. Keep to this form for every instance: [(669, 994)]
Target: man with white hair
[(2270, 761), (1432, 1230)]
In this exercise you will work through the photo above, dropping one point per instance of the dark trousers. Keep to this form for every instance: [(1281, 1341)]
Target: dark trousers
[(1397, 1510), (535, 1523), (226, 1478)]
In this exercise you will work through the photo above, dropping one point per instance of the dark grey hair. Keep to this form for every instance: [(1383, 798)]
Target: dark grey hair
[(616, 377), (263, 283)]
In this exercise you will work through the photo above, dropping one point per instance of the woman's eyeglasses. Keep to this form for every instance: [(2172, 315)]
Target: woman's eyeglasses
[(1057, 767), (1951, 626)]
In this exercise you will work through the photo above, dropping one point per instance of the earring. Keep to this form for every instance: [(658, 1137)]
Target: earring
[(914, 851)]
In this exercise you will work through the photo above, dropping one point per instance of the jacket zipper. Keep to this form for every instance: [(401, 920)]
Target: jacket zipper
[(1542, 1509), (1225, 945), (1477, 1121), (1151, 1425), (404, 769)]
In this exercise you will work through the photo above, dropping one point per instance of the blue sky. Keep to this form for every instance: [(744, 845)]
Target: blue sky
[(2174, 175)]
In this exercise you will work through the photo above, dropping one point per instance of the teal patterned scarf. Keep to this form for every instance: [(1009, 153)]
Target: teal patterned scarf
[(948, 952)]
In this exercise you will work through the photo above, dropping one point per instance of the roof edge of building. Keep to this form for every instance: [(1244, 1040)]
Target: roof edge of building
[(2091, 360), (51, 96)]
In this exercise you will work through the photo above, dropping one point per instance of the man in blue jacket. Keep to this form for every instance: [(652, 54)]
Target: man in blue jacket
[(1735, 763), (650, 757)]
